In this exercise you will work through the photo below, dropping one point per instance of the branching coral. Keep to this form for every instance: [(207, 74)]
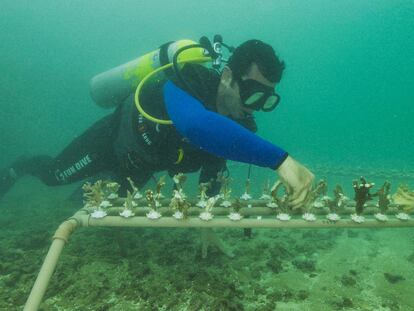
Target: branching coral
[(246, 195), (362, 194), (203, 187), (152, 203), (210, 203), (235, 210), (93, 194), (207, 215), (179, 204), (95, 199), (315, 198), (179, 180), (384, 198), (321, 188), (340, 199), (129, 204), (160, 185), (266, 191), (111, 190), (281, 202), (178, 201), (225, 189), (135, 191)]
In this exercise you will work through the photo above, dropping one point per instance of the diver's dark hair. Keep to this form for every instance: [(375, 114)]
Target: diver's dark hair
[(256, 51)]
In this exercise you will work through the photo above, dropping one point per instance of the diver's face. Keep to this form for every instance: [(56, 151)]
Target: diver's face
[(229, 102), (255, 74)]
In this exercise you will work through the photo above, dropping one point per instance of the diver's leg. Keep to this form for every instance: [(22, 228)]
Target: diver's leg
[(8, 177), (85, 156)]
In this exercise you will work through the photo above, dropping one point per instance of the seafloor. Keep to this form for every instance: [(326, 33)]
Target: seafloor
[(162, 269)]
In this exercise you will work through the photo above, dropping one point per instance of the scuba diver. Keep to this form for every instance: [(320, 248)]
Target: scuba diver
[(190, 118)]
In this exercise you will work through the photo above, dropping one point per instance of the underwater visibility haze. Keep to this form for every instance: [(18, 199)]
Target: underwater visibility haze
[(346, 111)]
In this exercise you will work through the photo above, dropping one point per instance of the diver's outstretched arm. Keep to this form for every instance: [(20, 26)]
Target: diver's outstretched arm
[(225, 138)]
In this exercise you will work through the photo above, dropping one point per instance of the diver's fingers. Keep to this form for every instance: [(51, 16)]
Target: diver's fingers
[(299, 199), (277, 183)]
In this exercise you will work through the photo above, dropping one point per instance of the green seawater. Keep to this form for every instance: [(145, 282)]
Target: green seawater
[(347, 110)]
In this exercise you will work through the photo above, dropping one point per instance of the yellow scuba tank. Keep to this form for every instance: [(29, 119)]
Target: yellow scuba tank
[(112, 87)]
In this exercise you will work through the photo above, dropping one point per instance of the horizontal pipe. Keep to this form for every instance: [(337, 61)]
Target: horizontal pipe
[(248, 211), (222, 222)]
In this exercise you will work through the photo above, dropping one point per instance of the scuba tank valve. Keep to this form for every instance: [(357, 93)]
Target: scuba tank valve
[(217, 47)]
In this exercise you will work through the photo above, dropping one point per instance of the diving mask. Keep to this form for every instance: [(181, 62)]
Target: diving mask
[(257, 96)]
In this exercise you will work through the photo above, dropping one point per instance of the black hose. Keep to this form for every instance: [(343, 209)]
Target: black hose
[(177, 68)]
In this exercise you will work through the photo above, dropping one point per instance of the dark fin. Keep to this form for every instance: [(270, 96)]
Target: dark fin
[(8, 178)]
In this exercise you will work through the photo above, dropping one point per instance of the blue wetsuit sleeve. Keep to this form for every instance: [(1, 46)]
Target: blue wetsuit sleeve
[(217, 134)]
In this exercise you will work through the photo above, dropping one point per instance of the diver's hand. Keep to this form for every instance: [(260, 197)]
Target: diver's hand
[(297, 180)]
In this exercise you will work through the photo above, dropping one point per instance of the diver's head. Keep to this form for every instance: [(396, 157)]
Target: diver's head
[(248, 81), (260, 53)]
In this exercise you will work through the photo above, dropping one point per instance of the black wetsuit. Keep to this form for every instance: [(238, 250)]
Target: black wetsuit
[(128, 145)]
